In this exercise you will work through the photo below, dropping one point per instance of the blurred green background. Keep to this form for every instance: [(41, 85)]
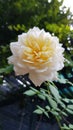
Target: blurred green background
[(17, 16)]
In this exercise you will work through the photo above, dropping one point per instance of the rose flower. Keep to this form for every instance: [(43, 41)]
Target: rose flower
[(38, 53)]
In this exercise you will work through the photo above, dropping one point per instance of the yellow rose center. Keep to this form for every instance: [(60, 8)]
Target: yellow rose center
[(37, 51)]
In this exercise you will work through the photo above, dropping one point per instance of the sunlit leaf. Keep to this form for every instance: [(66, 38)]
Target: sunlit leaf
[(71, 126), (52, 102), (46, 114), (54, 113), (55, 93), (29, 93), (48, 108), (70, 107), (69, 111), (35, 90), (38, 111), (41, 96)]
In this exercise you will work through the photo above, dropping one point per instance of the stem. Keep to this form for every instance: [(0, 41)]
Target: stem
[(66, 120), (59, 124)]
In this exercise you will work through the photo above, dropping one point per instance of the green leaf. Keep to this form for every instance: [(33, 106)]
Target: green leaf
[(71, 100), (66, 100), (42, 90), (40, 108), (69, 82), (29, 93), (57, 109), (55, 93), (1, 79), (65, 127), (46, 114), (71, 126), (35, 90), (6, 70), (41, 96), (38, 111), (48, 108), (62, 105), (70, 107), (52, 102), (54, 113), (62, 80), (69, 111), (64, 113)]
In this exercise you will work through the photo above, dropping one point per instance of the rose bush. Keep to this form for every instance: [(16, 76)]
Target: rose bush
[(38, 53)]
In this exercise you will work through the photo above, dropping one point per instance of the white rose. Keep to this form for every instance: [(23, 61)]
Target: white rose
[(38, 53)]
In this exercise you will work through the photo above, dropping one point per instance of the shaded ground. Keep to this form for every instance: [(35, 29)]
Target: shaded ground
[(14, 118)]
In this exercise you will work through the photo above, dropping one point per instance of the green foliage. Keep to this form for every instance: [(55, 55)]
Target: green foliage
[(1, 79), (60, 107), (4, 54), (69, 127), (18, 13), (6, 70), (30, 93)]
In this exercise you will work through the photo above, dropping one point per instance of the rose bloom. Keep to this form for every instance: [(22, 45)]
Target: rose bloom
[(38, 53)]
